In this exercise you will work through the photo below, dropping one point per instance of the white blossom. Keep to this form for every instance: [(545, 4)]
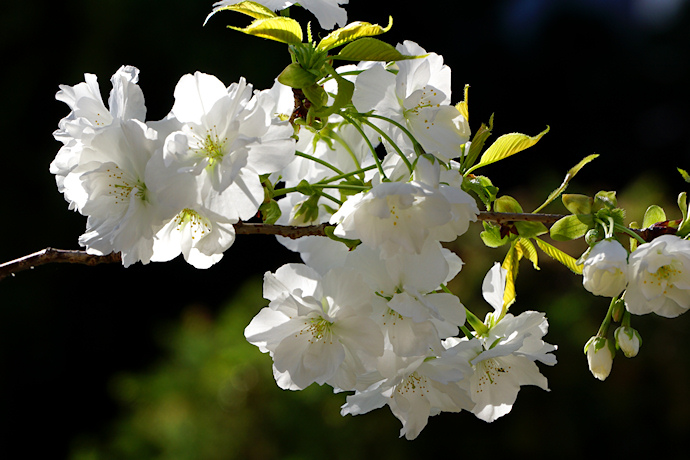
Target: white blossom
[(605, 270), (659, 277)]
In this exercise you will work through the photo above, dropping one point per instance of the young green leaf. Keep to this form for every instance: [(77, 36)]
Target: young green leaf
[(252, 9), (296, 76), (371, 49), (280, 29), (571, 227), (652, 215), (507, 145), (352, 32), (577, 204), (560, 256), (568, 177)]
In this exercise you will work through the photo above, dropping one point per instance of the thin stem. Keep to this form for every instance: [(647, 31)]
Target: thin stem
[(390, 141), (318, 160), (366, 139), (604, 328), (630, 232)]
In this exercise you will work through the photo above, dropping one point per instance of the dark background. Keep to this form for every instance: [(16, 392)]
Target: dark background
[(608, 77)]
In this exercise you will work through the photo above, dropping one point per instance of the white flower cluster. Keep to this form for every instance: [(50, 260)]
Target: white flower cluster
[(376, 320), (655, 276), (153, 190)]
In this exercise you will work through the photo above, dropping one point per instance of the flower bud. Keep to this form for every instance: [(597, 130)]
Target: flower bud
[(599, 357), (605, 270), (628, 340)]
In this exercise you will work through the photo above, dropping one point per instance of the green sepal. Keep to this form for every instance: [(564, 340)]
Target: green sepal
[(347, 242), (352, 32), (577, 204), (371, 49), (305, 188), (571, 227), (279, 28), (296, 76), (652, 215), (478, 326), (270, 211), (308, 210)]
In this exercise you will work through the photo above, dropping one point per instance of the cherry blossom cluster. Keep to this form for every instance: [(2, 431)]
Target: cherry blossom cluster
[(654, 277), (375, 152)]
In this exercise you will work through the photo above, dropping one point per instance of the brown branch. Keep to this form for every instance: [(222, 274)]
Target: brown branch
[(51, 255)]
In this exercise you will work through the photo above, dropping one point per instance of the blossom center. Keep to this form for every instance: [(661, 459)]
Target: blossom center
[(211, 145), (197, 225), (318, 330), (489, 372), (414, 384), (120, 187)]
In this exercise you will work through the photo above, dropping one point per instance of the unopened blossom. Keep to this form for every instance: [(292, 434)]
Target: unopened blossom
[(599, 357), (628, 340), (328, 12), (605, 270), (659, 277)]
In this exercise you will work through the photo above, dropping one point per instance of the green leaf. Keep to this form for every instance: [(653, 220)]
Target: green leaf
[(530, 229), (559, 255), (477, 144), (349, 243), (571, 227), (352, 32), (345, 91), (371, 49), (684, 174), (652, 215), (605, 199), (482, 186), (510, 263), (491, 236), (569, 175), (279, 28), (577, 204), (507, 145), (507, 203), (295, 76), (316, 95), (252, 9), (526, 249), (684, 227)]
